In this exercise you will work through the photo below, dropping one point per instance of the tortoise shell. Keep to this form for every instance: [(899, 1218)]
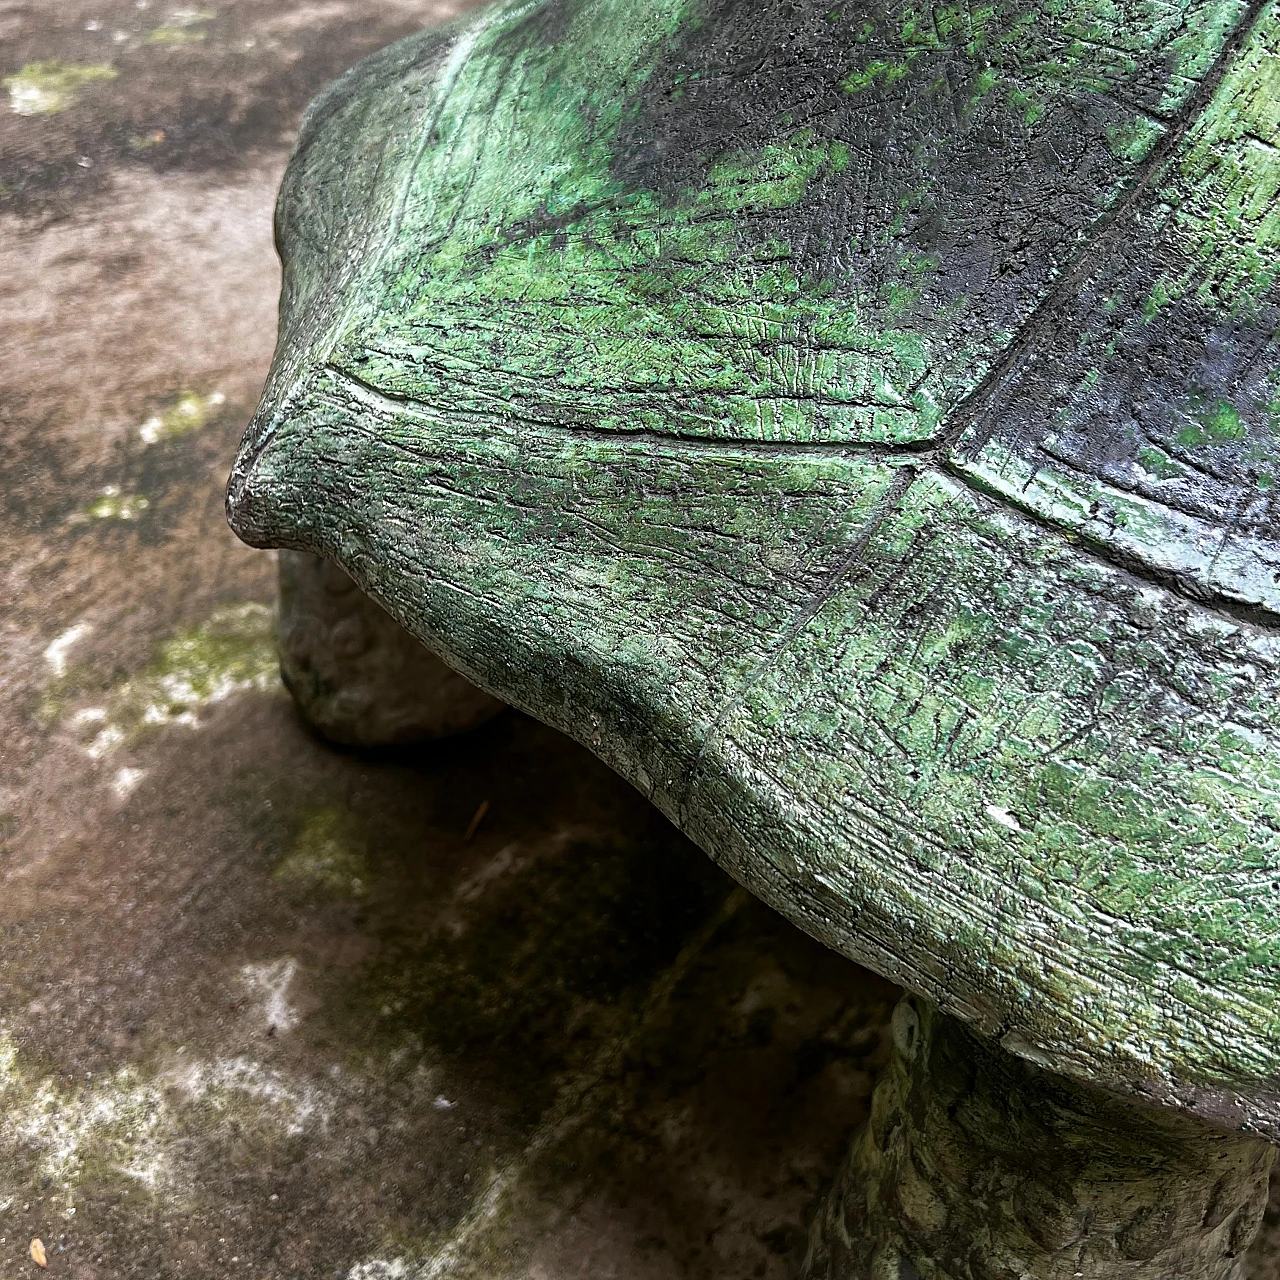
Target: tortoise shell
[(857, 423)]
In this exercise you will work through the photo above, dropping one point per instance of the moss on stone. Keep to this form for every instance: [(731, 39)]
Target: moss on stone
[(233, 652), (186, 413), (182, 27), (328, 855), (112, 504), (45, 88)]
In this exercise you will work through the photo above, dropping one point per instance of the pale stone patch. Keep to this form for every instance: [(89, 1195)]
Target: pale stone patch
[(126, 781), (117, 1120), (105, 742), (271, 982), (56, 653)]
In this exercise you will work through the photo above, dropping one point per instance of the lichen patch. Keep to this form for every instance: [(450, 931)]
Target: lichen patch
[(137, 1126), (286, 1104)]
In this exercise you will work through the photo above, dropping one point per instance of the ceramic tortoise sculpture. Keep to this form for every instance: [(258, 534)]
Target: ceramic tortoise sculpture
[(857, 423)]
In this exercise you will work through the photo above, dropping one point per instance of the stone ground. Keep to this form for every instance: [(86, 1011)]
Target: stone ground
[(267, 1007)]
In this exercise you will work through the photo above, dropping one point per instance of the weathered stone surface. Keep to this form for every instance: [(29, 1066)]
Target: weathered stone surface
[(356, 674), (977, 1165), (856, 424)]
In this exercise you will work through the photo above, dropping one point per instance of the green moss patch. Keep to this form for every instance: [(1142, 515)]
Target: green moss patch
[(112, 504), (328, 855), (233, 652), (187, 412), (45, 88), (183, 26)]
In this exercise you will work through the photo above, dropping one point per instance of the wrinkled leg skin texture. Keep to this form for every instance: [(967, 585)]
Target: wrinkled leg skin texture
[(977, 1165), (356, 674)]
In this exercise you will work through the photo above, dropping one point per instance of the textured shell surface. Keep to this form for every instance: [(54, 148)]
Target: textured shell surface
[(857, 423)]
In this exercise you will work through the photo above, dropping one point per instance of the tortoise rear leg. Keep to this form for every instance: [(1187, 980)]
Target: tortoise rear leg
[(356, 674), (977, 1165)]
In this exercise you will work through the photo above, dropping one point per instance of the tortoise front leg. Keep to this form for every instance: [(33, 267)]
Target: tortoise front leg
[(356, 674), (977, 1165)]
